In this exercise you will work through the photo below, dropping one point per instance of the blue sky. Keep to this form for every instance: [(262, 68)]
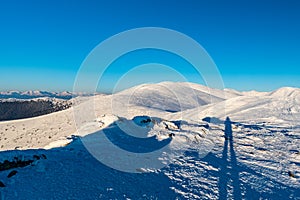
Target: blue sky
[(255, 44)]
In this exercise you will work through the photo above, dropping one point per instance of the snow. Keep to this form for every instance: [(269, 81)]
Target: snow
[(58, 143), (150, 142), (286, 92), (37, 94), (168, 96)]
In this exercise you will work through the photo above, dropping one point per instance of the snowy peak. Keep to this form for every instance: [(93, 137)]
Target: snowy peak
[(246, 93), (223, 94), (281, 92), (180, 96), (286, 92), (170, 96), (37, 94)]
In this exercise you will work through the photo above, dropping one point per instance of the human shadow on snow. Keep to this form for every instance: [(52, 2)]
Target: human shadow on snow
[(229, 167), (72, 172), (231, 175)]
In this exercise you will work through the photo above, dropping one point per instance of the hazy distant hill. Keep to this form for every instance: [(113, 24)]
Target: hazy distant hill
[(36, 94)]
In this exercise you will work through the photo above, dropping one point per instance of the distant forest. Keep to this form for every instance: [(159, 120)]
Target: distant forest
[(30, 108)]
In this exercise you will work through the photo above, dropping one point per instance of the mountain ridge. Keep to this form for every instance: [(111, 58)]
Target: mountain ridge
[(30, 94), (220, 93)]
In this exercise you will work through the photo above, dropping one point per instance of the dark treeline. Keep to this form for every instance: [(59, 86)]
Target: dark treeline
[(30, 108)]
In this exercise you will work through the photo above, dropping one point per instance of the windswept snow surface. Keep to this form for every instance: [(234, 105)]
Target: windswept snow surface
[(208, 144)]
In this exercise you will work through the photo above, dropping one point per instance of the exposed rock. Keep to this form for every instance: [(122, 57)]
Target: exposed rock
[(12, 173), (2, 184), (291, 174)]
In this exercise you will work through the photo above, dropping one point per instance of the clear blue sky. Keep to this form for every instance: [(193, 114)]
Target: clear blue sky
[(255, 44)]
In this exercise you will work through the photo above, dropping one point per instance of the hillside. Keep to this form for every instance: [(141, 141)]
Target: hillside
[(18, 109)]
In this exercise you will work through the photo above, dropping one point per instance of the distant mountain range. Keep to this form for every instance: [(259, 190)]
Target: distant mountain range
[(37, 94)]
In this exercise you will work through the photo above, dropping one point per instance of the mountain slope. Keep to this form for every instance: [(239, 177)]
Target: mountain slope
[(171, 97), (11, 109)]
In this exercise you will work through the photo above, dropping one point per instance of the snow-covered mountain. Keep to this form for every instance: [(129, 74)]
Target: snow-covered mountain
[(38, 94), (170, 96), (208, 144), (286, 92)]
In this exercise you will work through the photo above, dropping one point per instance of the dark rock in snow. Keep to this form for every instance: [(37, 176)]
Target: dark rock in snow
[(291, 174), (12, 173), (2, 184), (36, 157), (171, 135)]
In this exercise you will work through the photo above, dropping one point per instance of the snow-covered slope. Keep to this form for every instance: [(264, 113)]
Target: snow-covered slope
[(170, 96), (286, 92), (251, 108), (253, 154)]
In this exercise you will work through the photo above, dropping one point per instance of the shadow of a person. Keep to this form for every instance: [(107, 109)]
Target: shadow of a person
[(228, 129), (230, 168)]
